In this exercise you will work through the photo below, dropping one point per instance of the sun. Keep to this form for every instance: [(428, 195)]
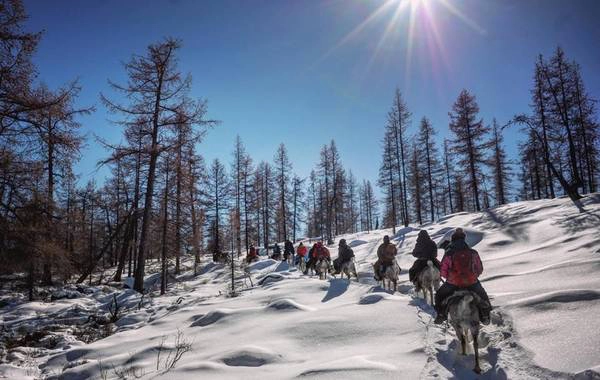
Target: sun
[(403, 18)]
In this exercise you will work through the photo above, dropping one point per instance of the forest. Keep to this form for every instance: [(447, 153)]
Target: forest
[(162, 202)]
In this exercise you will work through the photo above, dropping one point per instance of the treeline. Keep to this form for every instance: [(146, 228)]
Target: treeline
[(470, 171), (162, 202)]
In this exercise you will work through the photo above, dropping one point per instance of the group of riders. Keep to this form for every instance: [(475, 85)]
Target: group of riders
[(311, 257), (460, 266)]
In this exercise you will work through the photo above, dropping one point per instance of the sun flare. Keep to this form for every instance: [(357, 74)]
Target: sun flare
[(409, 19)]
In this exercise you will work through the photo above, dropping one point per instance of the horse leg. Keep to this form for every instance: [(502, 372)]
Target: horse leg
[(431, 294), (463, 343), (477, 369)]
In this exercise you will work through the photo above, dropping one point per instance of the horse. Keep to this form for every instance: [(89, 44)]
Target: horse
[(322, 268), (428, 280), (391, 275), (464, 318), (348, 268), (301, 264)]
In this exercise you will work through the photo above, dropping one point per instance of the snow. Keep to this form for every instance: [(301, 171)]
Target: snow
[(541, 269)]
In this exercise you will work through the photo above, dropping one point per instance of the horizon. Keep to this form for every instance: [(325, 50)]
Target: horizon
[(304, 73)]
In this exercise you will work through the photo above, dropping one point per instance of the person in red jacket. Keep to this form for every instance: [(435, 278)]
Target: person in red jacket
[(300, 252), (319, 251), (252, 254), (461, 267)]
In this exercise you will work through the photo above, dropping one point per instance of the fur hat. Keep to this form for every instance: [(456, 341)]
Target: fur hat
[(386, 239), (343, 242)]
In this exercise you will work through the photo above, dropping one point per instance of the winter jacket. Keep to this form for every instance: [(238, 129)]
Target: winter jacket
[(321, 252), (288, 248), (252, 252), (425, 249), (276, 249), (301, 251), (386, 252), (345, 253), (447, 271)]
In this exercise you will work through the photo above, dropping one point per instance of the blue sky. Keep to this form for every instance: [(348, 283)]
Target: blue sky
[(275, 71)]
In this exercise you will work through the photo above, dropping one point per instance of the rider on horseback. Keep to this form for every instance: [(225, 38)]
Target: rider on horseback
[(345, 254), (252, 254), (276, 252), (300, 253), (319, 252), (288, 249), (425, 250), (386, 254), (461, 266)]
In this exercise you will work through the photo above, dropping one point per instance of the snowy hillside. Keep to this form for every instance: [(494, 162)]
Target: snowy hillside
[(541, 268)]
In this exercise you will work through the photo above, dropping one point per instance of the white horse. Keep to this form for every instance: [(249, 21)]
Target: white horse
[(348, 268), (390, 276), (464, 318), (428, 280), (322, 268)]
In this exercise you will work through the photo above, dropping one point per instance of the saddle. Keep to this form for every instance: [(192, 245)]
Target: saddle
[(317, 264), (458, 295), (386, 264)]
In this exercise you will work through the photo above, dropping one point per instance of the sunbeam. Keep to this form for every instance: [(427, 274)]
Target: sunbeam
[(414, 19)]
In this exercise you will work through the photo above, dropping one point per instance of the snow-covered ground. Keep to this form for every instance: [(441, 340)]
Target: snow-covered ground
[(541, 269)]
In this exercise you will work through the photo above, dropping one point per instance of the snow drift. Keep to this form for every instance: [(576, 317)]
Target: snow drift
[(541, 268)]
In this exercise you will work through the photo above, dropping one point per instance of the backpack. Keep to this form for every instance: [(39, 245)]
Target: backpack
[(462, 271)]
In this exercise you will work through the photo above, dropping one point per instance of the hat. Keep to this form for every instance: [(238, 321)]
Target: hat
[(458, 234)]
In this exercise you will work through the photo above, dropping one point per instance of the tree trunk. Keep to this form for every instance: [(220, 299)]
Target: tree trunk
[(178, 206), (164, 266), (141, 260), (430, 179)]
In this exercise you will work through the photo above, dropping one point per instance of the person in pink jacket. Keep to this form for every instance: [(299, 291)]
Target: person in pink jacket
[(461, 267)]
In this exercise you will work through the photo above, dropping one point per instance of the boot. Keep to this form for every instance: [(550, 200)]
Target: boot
[(484, 314), (376, 276), (441, 314)]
